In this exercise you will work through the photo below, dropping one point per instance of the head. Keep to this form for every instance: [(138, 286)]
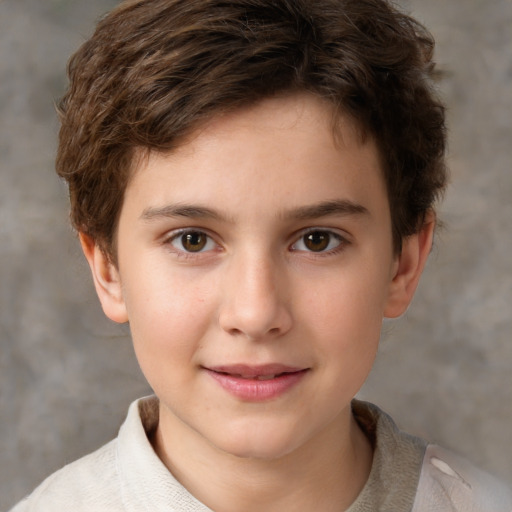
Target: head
[(252, 180), (156, 70)]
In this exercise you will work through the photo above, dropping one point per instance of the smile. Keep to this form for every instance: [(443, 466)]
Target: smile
[(257, 383)]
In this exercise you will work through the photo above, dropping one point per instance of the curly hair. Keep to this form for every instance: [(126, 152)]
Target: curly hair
[(156, 69)]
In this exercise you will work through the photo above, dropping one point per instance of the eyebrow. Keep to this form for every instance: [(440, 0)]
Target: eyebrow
[(181, 210), (340, 207)]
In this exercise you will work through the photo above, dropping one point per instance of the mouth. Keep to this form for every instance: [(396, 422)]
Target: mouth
[(256, 372), (257, 383), (257, 377)]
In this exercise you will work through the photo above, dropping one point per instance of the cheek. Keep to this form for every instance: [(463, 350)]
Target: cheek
[(348, 301), (346, 314), (168, 316), (350, 332)]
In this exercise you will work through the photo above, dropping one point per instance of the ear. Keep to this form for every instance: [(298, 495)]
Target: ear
[(409, 267), (106, 280)]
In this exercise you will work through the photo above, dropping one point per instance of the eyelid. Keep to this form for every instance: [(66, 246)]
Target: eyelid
[(175, 234), (342, 237)]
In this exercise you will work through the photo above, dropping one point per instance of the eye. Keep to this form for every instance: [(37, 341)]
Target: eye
[(318, 240), (192, 241)]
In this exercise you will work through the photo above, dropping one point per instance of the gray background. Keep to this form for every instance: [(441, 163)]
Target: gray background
[(67, 375)]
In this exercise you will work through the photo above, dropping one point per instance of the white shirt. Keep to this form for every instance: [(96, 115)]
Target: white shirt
[(126, 475)]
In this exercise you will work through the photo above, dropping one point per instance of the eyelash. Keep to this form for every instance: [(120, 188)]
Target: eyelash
[(178, 236), (333, 236), (210, 244)]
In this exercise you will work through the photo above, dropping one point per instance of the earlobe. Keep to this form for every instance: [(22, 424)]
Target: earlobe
[(106, 280), (409, 267)]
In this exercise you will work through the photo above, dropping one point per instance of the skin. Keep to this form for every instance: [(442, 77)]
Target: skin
[(297, 268)]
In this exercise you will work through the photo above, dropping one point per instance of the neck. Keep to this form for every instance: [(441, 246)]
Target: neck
[(326, 473)]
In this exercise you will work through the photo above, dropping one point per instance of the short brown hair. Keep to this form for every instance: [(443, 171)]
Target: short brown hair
[(155, 69)]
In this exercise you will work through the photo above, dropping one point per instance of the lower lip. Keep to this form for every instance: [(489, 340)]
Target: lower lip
[(252, 390)]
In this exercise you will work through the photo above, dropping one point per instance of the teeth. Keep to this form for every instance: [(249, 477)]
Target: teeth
[(265, 377), (258, 377)]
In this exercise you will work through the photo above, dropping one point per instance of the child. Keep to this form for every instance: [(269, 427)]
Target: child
[(253, 183)]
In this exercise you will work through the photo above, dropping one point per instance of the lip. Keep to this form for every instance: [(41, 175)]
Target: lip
[(257, 383)]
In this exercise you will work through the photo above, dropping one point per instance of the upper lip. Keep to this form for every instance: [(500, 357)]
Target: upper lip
[(252, 371)]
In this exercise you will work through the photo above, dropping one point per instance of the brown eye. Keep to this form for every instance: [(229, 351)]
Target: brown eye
[(191, 242), (194, 241), (317, 241)]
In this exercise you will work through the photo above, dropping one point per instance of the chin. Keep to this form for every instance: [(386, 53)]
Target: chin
[(257, 452), (257, 443)]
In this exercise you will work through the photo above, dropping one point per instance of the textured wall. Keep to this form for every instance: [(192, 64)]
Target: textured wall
[(67, 375)]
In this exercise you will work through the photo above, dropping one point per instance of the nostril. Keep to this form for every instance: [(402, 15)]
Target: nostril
[(254, 307)]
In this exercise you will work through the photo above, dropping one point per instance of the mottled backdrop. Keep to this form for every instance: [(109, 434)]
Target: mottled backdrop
[(67, 375)]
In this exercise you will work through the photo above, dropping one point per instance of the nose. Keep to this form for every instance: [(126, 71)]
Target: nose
[(254, 302)]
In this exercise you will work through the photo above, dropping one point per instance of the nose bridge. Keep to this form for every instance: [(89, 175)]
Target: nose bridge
[(254, 302)]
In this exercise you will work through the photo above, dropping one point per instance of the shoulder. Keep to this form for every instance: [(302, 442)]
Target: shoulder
[(410, 474), (450, 483), (109, 478), (90, 483)]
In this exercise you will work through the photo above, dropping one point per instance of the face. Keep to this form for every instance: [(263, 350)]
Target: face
[(255, 265)]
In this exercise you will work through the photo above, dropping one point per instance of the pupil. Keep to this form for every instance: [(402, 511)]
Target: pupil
[(193, 242), (317, 241)]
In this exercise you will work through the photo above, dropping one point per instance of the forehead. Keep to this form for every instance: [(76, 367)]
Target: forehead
[(276, 152)]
